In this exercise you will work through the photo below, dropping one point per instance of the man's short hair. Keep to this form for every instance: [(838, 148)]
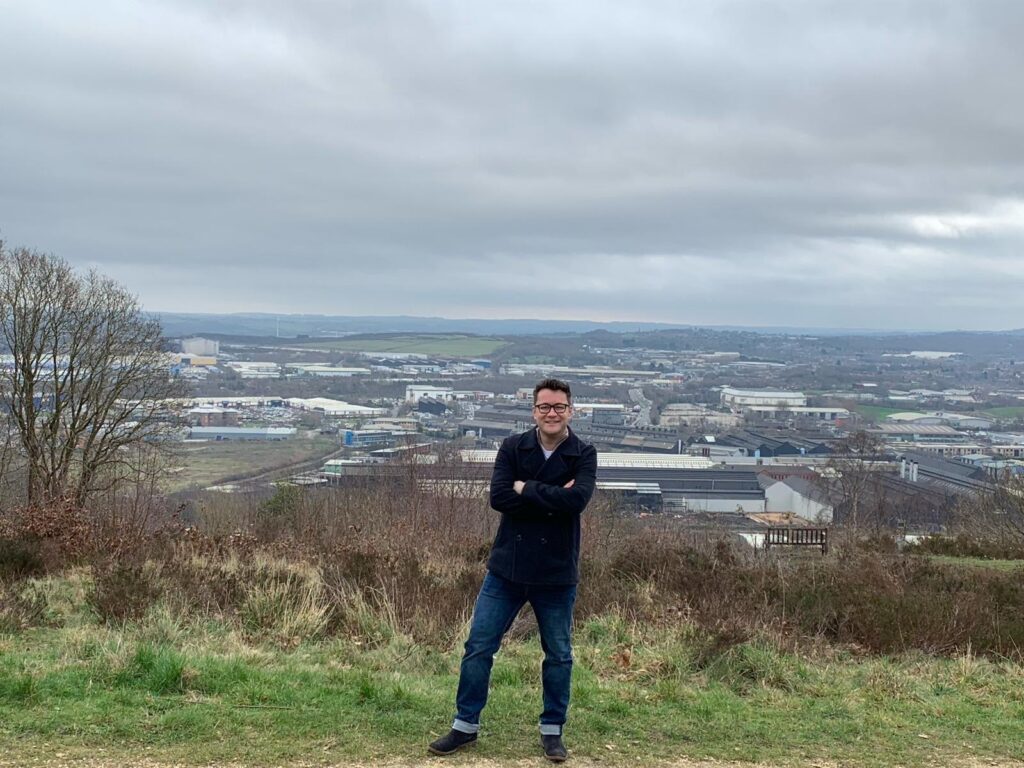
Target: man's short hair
[(555, 385)]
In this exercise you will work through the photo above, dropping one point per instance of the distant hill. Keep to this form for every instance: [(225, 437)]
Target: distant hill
[(259, 324), (290, 326)]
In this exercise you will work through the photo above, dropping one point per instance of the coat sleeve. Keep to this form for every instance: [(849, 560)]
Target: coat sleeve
[(503, 495), (555, 498)]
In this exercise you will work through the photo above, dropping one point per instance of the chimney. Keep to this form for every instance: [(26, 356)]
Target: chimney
[(903, 469), (913, 472)]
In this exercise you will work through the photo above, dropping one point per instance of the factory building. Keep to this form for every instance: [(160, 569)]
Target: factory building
[(255, 370), (200, 346), (213, 416), (331, 407), (414, 392), (317, 369), (242, 433), (368, 438), (829, 413), (741, 398)]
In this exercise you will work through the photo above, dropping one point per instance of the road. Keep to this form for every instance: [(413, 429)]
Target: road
[(643, 419)]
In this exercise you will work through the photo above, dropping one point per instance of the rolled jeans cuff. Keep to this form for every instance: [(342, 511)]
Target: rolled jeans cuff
[(550, 729), (463, 727)]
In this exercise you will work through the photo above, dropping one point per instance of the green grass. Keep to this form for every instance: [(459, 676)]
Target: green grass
[(442, 345), (978, 562), (1007, 412), (198, 693), (208, 463)]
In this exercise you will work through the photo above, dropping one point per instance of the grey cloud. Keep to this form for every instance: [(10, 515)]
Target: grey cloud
[(683, 163)]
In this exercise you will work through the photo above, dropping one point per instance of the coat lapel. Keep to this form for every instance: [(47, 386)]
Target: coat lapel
[(531, 458)]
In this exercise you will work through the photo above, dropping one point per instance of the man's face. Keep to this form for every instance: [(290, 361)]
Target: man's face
[(552, 423)]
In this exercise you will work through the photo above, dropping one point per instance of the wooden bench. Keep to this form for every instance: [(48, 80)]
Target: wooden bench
[(784, 535)]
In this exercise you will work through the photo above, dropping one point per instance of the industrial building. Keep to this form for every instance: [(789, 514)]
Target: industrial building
[(823, 413), (318, 369), (797, 496), (764, 444), (369, 438), (188, 360), (336, 408), (213, 416), (197, 345), (242, 433), (689, 414), (255, 370), (741, 398), (414, 392)]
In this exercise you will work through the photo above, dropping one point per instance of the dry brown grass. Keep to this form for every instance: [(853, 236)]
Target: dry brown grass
[(381, 558)]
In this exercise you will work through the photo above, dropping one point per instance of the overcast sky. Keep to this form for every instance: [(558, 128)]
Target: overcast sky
[(840, 164)]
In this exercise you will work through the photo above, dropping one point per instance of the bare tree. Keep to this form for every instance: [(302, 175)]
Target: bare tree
[(86, 378), (9, 465), (850, 477), (996, 515)]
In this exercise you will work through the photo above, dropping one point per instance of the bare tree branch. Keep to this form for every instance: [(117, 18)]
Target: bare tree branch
[(87, 377)]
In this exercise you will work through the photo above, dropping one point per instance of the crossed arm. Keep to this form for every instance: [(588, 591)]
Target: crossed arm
[(512, 496)]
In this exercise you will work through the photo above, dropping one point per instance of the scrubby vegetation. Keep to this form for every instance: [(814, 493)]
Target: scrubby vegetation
[(287, 619)]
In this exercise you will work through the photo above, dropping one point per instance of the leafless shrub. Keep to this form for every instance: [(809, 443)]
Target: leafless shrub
[(993, 522), (285, 604), (21, 606), (123, 591)]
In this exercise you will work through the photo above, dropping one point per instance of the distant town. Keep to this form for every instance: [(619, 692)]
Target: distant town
[(727, 428)]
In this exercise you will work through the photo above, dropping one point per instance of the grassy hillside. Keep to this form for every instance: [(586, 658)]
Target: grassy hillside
[(326, 627), (185, 690)]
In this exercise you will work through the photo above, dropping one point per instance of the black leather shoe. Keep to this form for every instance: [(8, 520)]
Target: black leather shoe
[(452, 741), (554, 749)]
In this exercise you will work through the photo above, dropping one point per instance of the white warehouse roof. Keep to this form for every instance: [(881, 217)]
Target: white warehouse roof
[(334, 407), (616, 460)]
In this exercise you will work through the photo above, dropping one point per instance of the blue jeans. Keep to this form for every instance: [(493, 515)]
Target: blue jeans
[(497, 605)]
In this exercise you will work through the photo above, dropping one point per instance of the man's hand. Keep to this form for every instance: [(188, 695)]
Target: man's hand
[(518, 486)]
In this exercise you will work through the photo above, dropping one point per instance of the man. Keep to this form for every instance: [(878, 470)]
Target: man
[(542, 481)]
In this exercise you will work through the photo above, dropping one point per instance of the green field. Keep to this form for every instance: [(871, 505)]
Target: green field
[(204, 464), (190, 691), (877, 413), (978, 562), (1007, 412), (441, 345)]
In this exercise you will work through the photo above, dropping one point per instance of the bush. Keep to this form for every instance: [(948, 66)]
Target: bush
[(123, 591), (964, 545), (205, 585), (20, 558), (893, 604), (21, 607), (287, 607), (360, 564), (157, 669)]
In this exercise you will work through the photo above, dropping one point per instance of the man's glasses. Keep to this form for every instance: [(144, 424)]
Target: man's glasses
[(558, 408)]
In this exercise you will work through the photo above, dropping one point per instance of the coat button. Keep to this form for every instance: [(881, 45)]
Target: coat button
[(543, 541), (519, 537)]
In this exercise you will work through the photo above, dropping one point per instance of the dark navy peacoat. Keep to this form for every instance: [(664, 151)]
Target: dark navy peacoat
[(538, 540)]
